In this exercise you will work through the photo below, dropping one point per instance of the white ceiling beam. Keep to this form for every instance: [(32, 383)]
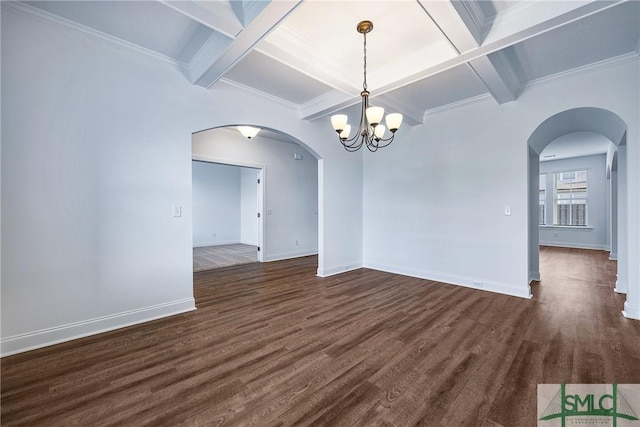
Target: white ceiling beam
[(520, 33), (285, 46), (214, 15), (448, 19), (329, 103), (496, 73), (498, 76), (248, 10), (261, 25), (472, 16), (412, 115)]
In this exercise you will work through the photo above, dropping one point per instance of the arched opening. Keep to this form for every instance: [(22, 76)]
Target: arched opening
[(287, 173), (590, 121)]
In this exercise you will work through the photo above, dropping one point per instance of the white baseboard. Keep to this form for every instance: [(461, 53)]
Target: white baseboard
[(216, 243), (613, 256), (631, 311), (576, 245), (289, 255), (534, 276), (332, 271), (46, 337), (523, 291)]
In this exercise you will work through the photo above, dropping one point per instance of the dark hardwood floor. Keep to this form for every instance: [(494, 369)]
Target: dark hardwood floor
[(272, 344)]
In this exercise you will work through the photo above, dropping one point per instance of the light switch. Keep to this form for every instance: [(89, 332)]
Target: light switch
[(507, 210), (177, 210)]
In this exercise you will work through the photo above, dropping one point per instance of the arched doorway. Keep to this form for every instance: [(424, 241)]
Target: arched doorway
[(288, 190), (612, 127)]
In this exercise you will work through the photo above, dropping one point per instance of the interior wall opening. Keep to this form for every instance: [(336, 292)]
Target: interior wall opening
[(287, 189), (226, 229), (575, 200)]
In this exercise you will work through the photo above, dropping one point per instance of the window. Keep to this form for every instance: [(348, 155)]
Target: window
[(570, 198), (542, 191)]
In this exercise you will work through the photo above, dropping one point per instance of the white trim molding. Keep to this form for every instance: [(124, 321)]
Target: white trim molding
[(217, 243), (332, 271), (58, 334), (574, 245), (468, 282), (290, 255), (631, 311)]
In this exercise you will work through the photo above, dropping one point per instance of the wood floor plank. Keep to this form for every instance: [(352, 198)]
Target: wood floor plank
[(274, 345)]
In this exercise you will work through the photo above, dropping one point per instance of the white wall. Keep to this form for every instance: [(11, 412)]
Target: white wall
[(291, 192), (434, 200), (216, 204), (249, 206), (594, 236), (96, 149)]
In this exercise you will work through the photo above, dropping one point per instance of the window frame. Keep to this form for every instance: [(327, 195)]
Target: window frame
[(570, 201)]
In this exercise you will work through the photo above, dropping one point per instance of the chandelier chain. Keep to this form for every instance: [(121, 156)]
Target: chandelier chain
[(364, 84)]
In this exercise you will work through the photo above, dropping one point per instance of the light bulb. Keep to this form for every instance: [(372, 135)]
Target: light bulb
[(339, 121), (345, 132), (394, 121), (374, 115), (248, 131), (378, 131)]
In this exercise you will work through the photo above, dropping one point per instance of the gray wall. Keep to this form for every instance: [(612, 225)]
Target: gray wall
[(291, 187), (216, 204)]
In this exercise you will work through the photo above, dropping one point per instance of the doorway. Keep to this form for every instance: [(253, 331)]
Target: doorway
[(580, 120), (227, 214)]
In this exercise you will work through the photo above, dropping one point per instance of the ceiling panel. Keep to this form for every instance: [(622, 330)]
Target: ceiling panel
[(148, 24), (267, 75), (320, 38), (440, 89), (611, 33)]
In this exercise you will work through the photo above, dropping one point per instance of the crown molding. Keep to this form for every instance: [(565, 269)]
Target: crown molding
[(258, 93), (611, 62), (458, 104), (44, 17), (594, 66)]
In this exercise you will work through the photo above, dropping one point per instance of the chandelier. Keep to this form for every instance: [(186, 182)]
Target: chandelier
[(370, 130)]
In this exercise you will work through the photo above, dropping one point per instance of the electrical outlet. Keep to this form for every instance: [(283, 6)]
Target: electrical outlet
[(477, 285), (214, 235), (296, 243)]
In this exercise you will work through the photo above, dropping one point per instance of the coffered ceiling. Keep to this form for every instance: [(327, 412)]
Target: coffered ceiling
[(423, 56)]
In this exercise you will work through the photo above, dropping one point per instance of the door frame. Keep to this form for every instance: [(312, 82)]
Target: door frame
[(262, 173)]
